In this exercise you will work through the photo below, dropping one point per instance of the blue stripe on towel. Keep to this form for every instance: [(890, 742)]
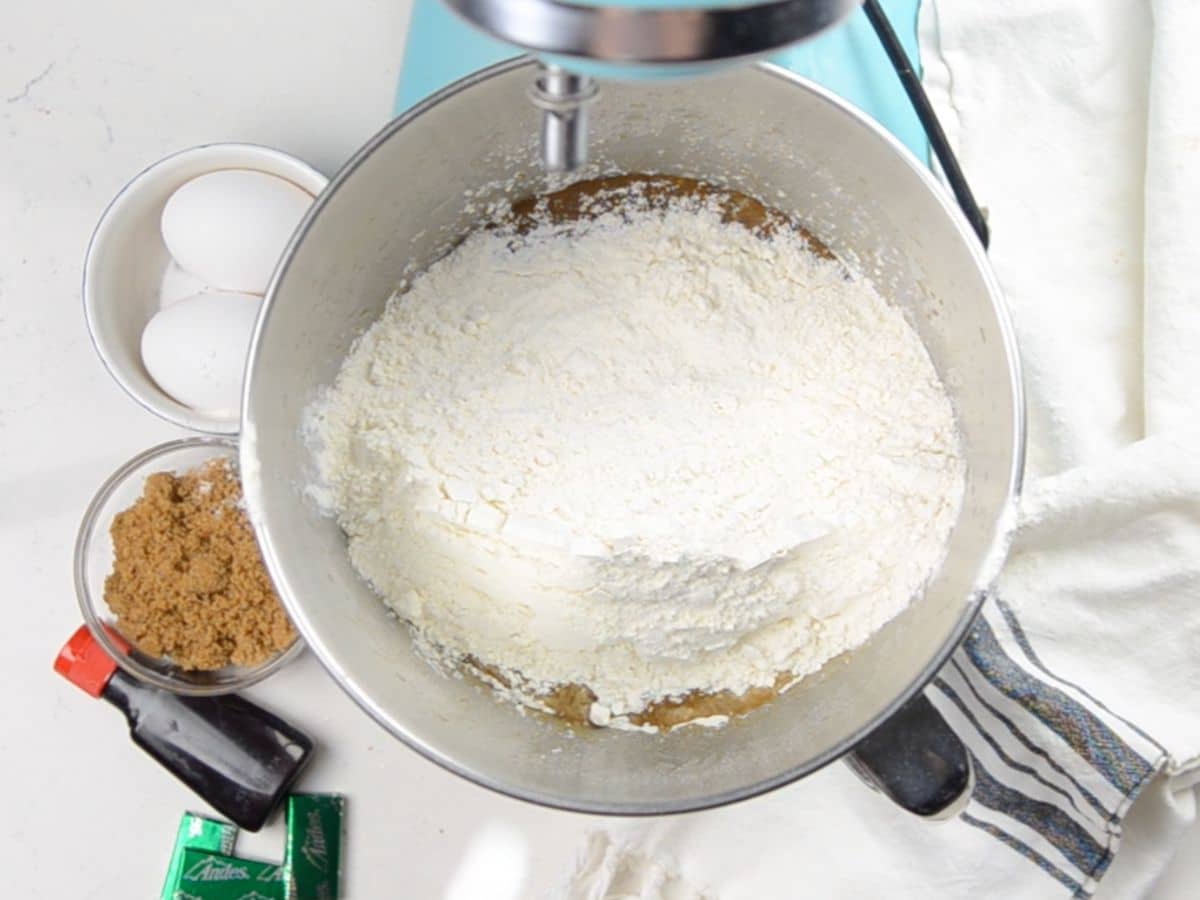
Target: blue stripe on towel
[(1087, 735), (1021, 847), (1013, 764), (1051, 822), (1028, 744), (1023, 642)]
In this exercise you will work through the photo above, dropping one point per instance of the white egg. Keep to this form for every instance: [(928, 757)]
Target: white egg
[(196, 349), (229, 227), (178, 285)]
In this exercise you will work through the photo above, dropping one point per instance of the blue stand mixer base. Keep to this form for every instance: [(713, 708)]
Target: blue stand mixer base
[(848, 60)]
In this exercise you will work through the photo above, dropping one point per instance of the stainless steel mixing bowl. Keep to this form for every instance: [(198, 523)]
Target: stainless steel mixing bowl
[(424, 181)]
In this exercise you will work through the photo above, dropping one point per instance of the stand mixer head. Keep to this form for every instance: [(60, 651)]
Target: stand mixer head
[(579, 41)]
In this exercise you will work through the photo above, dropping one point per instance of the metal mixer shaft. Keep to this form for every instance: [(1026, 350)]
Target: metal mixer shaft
[(634, 39)]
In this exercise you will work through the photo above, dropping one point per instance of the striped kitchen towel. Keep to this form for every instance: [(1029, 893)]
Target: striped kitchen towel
[(1055, 773), (1055, 770), (1091, 191)]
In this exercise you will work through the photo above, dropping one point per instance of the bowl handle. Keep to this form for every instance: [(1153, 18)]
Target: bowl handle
[(916, 761)]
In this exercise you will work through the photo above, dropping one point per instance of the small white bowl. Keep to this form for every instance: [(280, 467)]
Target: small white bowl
[(127, 262)]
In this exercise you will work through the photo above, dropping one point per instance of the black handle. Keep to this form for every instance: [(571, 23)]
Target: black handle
[(237, 756), (915, 760)]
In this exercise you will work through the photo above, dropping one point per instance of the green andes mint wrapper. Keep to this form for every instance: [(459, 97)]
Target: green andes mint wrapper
[(312, 856), (215, 876), (196, 833)]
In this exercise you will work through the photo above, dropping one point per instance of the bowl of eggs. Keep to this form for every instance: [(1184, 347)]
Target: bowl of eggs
[(176, 271)]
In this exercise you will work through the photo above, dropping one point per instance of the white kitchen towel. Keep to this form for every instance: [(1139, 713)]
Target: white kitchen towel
[(1076, 124), (1078, 691)]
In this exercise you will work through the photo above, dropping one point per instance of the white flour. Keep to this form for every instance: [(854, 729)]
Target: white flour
[(651, 457)]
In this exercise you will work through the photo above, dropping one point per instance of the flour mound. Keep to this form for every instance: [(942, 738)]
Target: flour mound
[(652, 453)]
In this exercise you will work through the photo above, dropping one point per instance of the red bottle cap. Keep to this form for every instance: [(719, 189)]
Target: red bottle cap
[(85, 663)]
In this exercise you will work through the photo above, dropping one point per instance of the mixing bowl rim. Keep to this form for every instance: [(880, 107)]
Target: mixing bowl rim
[(988, 570)]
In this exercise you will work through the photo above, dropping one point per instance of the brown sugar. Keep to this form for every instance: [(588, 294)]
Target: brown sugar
[(592, 197), (188, 581)]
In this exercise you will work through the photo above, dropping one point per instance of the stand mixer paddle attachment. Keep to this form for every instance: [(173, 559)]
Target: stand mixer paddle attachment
[(578, 42)]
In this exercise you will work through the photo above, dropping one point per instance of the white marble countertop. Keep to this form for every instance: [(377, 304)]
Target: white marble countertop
[(89, 94)]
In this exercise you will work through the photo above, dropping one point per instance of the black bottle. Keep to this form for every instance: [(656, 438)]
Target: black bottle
[(238, 757)]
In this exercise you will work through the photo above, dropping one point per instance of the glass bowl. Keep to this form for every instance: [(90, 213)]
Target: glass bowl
[(94, 561)]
